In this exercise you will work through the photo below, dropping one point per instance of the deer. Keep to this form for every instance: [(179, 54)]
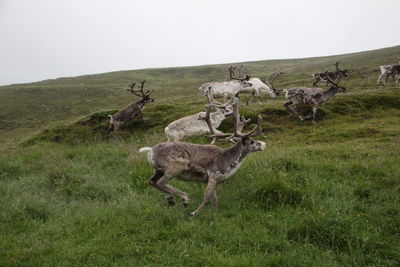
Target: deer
[(314, 97), (387, 71), (237, 85), (192, 126), (133, 110), (262, 86), (335, 75), (208, 164)]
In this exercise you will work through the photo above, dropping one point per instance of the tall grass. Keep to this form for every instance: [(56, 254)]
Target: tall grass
[(320, 195)]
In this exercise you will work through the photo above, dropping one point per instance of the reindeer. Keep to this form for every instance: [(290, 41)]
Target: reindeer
[(314, 97), (261, 86), (335, 75), (387, 71), (237, 85), (134, 109), (192, 126), (202, 163)]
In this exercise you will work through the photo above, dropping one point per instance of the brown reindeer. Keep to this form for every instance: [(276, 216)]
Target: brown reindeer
[(133, 110), (202, 163), (314, 97), (336, 76)]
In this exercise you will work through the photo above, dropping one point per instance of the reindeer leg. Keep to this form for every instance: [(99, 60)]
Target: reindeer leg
[(314, 109), (251, 100), (292, 110), (379, 78), (214, 200), (140, 116), (286, 105), (207, 195), (160, 181), (153, 182)]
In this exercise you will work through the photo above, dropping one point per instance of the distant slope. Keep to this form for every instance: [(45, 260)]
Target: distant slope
[(27, 107)]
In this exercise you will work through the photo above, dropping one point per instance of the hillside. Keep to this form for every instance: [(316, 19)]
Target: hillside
[(28, 107), (324, 194)]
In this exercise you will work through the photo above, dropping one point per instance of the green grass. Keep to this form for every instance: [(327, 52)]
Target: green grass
[(319, 195)]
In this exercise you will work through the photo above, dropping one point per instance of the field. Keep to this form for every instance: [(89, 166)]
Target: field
[(320, 195)]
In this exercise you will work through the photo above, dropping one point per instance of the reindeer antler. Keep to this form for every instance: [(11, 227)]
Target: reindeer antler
[(337, 65), (135, 92), (237, 75), (270, 80), (211, 101), (329, 79), (239, 123)]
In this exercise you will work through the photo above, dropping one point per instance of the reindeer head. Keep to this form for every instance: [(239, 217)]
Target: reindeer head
[(144, 95), (272, 91)]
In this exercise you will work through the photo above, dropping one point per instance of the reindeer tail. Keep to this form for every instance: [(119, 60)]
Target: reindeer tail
[(145, 149)]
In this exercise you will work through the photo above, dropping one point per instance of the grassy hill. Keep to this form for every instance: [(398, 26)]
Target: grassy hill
[(28, 107), (320, 195)]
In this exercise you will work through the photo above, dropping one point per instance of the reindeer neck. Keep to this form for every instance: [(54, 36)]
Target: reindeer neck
[(140, 103), (329, 94), (215, 119), (235, 153)]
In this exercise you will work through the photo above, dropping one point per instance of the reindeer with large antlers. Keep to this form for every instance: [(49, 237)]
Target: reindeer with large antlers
[(336, 76), (314, 97), (202, 163), (192, 126), (133, 110), (238, 84)]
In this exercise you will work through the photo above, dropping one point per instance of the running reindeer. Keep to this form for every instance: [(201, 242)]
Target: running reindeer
[(133, 110), (314, 97), (335, 75), (202, 163), (192, 126), (238, 84)]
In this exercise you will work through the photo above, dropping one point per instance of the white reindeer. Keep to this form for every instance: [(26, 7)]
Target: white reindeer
[(192, 126), (238, 85), (202, 163), (387, 71)]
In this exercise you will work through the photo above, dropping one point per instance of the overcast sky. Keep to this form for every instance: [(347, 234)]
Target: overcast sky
[(45, 39)]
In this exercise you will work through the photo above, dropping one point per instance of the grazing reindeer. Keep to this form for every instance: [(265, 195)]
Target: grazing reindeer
[(132, 110), (202, 163), (314, 97), (261, 86), (335, 75), (192, 126), (270, 82), (239, 84), (387, 71)]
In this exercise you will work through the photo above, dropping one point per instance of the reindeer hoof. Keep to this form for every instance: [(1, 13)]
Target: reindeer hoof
[(171, 201), (185, 201), (192, 214)]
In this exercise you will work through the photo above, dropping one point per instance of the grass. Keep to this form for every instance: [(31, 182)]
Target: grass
[(320, 195)]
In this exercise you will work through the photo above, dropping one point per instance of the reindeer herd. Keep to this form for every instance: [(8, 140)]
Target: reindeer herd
[(208, 163)]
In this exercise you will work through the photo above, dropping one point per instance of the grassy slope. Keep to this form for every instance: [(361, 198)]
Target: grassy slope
[(325, 194), (28, 107)]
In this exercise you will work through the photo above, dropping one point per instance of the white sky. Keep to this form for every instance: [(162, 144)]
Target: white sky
[(42, 39)]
